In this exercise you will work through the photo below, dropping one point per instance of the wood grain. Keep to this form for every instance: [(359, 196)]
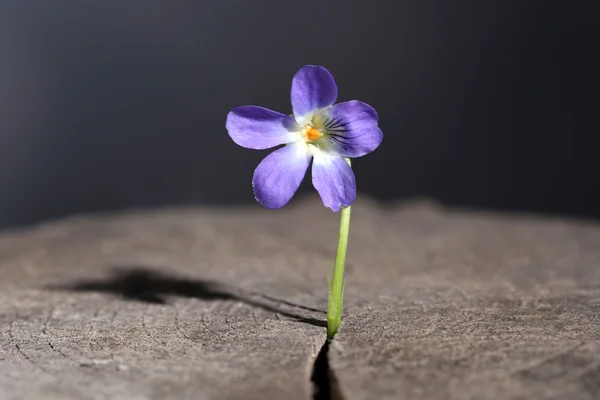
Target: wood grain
[(227, 303)]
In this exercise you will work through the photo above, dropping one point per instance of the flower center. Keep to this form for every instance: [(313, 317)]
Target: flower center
[(310, 133)]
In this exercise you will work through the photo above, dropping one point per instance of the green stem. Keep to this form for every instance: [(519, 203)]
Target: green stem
[(336, 289)]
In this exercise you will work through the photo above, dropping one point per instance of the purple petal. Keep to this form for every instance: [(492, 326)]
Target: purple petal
[(352, 129), (313, 87), (258, 128), (334, 180), (278, 176)]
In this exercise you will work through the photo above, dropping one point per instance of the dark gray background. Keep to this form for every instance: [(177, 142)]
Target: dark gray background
[(115, 104)]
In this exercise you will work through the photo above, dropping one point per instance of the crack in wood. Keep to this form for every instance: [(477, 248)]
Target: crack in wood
[(20, 351), (323, 379), (45, 333), (178, 327)]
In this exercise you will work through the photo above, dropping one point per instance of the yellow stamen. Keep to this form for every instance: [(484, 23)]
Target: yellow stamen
[(313, 134)]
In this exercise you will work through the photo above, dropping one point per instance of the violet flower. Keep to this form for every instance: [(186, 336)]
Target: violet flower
[(319, 130), (329, 134)]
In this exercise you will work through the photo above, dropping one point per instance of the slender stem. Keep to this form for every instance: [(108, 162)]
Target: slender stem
[(336, 288)]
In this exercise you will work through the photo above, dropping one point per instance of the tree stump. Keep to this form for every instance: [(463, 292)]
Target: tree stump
[(228, 303)]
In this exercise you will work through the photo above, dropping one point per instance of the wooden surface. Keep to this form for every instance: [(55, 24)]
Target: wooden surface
[(227, 304), (472, 306)]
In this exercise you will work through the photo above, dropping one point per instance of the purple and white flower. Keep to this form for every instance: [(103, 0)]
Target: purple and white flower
[(319, 130)]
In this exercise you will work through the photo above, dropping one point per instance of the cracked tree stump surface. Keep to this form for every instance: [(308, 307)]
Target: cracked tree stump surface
[(172, 304), (225, 304), (471, 306)]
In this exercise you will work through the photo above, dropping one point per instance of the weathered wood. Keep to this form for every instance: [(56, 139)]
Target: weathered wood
[(160, 305), (225, 304), (470, 306)]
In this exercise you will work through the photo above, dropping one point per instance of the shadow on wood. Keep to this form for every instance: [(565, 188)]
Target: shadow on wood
[(144, 284)]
